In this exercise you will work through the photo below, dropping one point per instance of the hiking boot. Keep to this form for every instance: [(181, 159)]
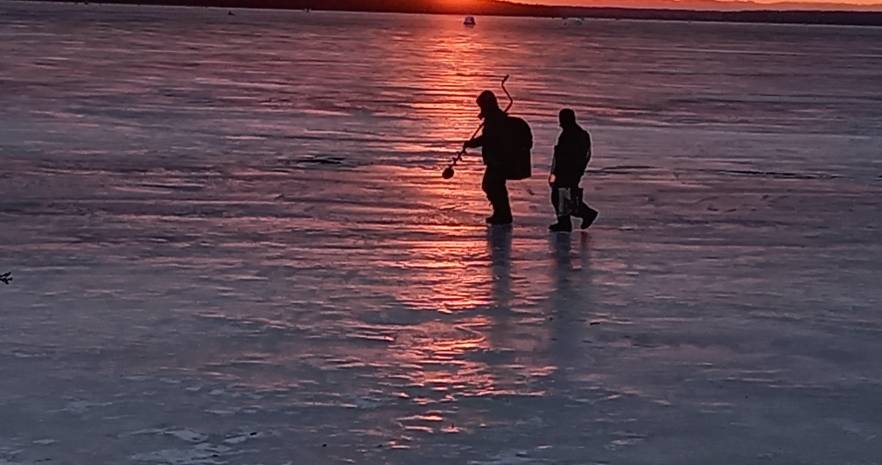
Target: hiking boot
[(499, 220), (561, 226), (589, 218)]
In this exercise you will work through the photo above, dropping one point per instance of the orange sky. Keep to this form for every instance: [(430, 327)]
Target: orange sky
[(594, 2), (725, 4)]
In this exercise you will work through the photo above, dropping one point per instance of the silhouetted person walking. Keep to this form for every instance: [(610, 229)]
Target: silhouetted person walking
[(493, 143), (571, 156)]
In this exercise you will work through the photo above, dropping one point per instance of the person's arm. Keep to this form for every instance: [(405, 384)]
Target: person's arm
[(474, 143), (552, 174)]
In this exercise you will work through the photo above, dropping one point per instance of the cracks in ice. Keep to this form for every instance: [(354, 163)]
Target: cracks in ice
[(200, 454), (203, 450)]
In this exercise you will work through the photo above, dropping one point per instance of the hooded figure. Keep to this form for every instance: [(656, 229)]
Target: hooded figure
[(493, 141), (571, 156)]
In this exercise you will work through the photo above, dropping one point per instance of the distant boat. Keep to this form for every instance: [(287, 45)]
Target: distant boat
[(470, 21)]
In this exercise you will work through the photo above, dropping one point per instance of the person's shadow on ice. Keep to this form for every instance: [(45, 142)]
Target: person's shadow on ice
[(571, 277), (571, 300), (499, 245)]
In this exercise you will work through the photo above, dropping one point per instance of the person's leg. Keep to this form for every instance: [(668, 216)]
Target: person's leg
[(563, 218), (584, 211), (497, 193), (503, 207), (487, 187)]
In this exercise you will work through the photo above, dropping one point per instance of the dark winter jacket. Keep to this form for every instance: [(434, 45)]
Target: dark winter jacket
[(571, 156), (492, 140)]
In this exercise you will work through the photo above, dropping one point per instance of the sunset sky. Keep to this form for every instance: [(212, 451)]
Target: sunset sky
[(720, 4), (592, 2)]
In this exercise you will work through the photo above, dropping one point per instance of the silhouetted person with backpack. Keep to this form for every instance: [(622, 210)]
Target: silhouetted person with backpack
[(571, 156), (505, 144), (492, 143)]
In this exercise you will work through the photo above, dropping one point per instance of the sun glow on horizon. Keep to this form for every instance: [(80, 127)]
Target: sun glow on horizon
[(710, 4)]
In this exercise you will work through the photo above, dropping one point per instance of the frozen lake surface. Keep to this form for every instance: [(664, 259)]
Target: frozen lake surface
[(232, 245)]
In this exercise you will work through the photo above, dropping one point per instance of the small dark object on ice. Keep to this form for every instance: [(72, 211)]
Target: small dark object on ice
[(324, 160), (6, 278)]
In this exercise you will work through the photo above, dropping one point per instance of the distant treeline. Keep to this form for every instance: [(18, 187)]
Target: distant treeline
[(502, 8)]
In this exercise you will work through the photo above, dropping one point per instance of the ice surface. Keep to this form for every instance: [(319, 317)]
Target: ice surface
[(232, 245)]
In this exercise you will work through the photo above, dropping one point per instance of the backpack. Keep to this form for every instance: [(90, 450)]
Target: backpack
[(519, 164)]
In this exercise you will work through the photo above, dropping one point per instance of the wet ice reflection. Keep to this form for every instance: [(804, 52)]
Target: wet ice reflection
[(229, 253)]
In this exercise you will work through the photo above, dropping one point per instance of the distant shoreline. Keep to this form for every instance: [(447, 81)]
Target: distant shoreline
[(500, 8)]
